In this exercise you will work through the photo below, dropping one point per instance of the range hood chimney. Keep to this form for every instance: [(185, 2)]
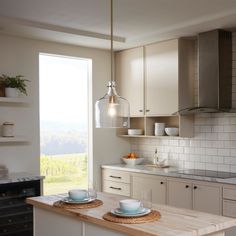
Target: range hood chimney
[(215, 73)]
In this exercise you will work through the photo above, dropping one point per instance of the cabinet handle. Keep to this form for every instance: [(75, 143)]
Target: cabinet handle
[(140, 110), (187, 186), (147, 110), (115, 188), (115, 177), (195, 187), (161, 182)]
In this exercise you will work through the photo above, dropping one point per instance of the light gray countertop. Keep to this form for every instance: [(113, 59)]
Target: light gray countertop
[(168, 172), (19, 177)]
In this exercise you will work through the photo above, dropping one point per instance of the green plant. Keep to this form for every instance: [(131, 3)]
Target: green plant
[(15, 82)]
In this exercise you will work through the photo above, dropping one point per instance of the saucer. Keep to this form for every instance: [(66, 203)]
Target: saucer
[(71, 201), (140, 212)]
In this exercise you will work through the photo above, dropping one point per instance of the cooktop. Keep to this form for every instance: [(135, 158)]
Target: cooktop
[(207, 173)]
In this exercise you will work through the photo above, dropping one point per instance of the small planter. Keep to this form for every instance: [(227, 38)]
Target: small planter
[(12, 92)]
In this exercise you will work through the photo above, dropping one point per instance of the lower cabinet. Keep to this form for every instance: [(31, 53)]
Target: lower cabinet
[(207, 198), (143, 182), (199, 196), (229, 206), (179, 194), (117, 182)]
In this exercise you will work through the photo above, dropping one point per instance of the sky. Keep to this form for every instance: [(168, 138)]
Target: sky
[(63, 88)]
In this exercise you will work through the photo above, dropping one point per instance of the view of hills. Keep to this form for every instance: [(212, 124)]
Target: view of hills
[(63, 138)]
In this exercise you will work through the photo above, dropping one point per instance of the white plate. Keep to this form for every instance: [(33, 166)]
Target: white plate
[(142, 212), (71, 201)]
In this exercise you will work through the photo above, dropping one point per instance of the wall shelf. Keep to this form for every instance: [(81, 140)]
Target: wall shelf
[(149, 136), (16, 139), (12, 100)]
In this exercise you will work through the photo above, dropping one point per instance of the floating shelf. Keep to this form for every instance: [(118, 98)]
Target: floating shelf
[(16, 139), (12, 100), (148, 136)]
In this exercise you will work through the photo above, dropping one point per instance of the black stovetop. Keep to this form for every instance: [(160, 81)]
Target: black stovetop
[(208, 173)]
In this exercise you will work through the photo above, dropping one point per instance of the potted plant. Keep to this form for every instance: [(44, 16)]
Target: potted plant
[(14, 85)]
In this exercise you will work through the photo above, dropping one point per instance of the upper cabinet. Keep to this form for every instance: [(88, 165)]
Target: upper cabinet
[(158, 80), (169, 76), (129, 73)]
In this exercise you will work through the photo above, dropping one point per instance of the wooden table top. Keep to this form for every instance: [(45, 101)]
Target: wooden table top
[(173, 222)]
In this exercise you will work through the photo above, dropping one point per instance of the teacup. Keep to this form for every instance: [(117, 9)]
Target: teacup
[(78, 194), (129, 205)]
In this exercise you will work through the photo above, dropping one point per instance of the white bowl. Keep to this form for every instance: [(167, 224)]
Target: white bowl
[(129, 205), (78, 194), (135, 131), (133, 161), (171, 131)]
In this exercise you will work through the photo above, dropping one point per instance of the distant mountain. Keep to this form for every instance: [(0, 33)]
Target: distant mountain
[(62, 126), (62, 138)]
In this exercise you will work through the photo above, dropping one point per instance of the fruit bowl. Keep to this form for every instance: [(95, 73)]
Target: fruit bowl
[(132, 161)]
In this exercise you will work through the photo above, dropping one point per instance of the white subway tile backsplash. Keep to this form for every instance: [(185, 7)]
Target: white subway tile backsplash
[(205, 128), (223, 136), (230, 128), (218, 128), (223, 152), (223, 167), (211, 166)]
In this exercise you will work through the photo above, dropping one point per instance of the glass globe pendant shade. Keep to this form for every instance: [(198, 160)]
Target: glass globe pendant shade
[(112, 111)]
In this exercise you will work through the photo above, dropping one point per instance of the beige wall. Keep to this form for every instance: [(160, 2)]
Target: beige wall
[(21, 56)]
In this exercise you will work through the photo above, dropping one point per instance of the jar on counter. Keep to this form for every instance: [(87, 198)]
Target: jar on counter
[(8, 129)]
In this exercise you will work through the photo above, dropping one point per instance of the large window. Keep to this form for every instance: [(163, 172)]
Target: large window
[(64, 122)]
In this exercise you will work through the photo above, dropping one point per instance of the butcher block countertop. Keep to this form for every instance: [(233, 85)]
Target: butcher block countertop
[(173, 222)]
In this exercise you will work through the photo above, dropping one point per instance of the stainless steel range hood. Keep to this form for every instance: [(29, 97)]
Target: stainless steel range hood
[(215, 73)]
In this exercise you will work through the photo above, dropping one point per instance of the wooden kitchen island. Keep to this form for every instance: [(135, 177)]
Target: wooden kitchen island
[(54, 221)]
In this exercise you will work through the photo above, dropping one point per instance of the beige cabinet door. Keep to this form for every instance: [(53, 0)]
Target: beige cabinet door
[(207, 198), (130, 78), (141, 183), (161, 78), (179, 194)]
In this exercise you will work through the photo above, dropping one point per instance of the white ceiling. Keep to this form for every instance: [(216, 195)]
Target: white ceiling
[(136, 22)]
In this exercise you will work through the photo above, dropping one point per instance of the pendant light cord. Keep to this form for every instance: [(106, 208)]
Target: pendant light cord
[(112, 61)]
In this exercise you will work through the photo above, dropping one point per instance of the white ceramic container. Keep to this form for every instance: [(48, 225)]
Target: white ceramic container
[(8, 129), (78, 194), (12, 92), (171, 131), (159, 129), (135, 131), (129, 205)]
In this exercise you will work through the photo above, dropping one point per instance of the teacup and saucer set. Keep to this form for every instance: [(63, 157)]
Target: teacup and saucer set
[(80, 196), (130, 208)]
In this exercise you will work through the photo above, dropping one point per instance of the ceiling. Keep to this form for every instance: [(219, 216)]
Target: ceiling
[(136, 22)]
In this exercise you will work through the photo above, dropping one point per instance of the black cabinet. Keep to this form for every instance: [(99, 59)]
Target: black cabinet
[(16, 216)]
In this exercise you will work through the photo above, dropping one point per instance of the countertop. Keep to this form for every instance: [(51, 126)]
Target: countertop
[(19, 177), (174, 221), (168, 172)]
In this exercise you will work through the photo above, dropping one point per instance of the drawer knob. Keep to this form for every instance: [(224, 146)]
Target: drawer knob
[(161, 182), (187, 186), (140, 110), (115, 177), (147, 110), (195, 187), (115, 188)]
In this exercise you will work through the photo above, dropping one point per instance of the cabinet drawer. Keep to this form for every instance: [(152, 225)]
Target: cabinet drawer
[(229, 193), (116, 176), (116, 187), (229, 208)]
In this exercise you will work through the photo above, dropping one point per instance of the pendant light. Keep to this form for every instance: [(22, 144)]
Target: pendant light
[(112, 110)]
